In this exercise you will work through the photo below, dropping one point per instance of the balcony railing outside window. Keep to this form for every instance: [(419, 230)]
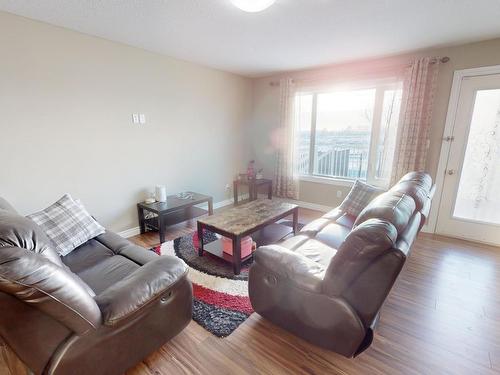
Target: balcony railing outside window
[(342, 163), (348, 134)]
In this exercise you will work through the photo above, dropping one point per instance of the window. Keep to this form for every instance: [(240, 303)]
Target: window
[(348, 134)]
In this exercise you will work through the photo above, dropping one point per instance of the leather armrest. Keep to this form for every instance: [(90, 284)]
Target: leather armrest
[(48, 287), (124, 247), (142, 287), (301, 271), (333, 214)]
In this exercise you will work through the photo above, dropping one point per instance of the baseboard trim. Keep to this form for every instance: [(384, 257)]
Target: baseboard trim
[(130, 232), (136, 230), (427, 228)]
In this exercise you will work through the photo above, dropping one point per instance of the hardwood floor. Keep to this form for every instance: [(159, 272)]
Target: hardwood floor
[(442, 317)]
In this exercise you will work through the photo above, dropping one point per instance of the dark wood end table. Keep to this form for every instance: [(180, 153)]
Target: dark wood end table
[(258, 218), (173, 211), (253, 187)]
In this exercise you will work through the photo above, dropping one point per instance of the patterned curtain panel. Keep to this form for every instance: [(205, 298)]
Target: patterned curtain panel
[(415, 117), (285, 179)]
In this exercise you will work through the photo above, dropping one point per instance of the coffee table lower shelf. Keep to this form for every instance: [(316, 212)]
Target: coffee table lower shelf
[(259, 219), (267, 235)]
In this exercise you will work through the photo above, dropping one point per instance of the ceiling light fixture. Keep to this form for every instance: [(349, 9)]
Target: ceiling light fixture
[(252, 5)]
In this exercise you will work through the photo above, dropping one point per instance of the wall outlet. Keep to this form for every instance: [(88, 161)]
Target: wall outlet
[(339, 193), (228, 187)]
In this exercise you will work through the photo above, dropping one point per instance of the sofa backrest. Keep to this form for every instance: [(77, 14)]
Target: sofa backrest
[(369, 260), (32, 271), (364, 244), (18, 231), (419, 186), (393, 206)]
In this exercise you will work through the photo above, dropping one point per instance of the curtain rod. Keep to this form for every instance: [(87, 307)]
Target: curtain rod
[(442, 60)]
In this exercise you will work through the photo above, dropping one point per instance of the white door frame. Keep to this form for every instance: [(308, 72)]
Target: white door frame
[(458, 77)]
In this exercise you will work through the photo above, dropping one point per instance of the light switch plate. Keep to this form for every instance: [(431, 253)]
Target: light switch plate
[(142, 118), (135, 118)]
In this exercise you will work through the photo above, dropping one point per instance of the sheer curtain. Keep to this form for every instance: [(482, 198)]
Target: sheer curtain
[(285, 178), (412, 140)]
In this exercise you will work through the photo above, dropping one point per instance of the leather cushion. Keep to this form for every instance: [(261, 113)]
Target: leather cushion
[(315, 226), (408, 236), (124, 247), (333, 235), (317, 252), (18, 231), (420, 178), (419, 193), (292, 243), (108, 272), (394, 207), (418, 185), (333, 214), (87, 256)]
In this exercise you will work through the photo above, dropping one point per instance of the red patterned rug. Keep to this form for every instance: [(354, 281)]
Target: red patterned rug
[(221, 300)]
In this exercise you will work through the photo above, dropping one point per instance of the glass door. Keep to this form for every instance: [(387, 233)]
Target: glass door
[(470, 204)]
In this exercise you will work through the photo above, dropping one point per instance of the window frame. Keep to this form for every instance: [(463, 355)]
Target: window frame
[(380, 86)]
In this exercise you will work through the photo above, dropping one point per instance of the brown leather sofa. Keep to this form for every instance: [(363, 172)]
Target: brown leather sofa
[(99, 310), (328, 283)]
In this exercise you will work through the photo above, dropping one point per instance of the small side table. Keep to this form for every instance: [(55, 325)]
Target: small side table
[(253, 187), (173, 211)]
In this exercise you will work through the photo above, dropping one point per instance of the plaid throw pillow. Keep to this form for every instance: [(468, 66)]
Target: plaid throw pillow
[(358, 198), (67, 224)]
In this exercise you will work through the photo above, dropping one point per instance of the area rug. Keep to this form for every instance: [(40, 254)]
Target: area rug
[(220, 298)]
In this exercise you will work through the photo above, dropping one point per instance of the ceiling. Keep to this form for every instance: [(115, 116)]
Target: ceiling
[(290, 35)]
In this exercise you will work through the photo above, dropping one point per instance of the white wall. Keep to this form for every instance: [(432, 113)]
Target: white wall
[(266, 104), (66, 101)]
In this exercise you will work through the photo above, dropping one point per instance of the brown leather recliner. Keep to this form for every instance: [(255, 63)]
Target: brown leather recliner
[(99, 310), (328, 283)]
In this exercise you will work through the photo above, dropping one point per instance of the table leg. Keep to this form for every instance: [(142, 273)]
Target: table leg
[(295, 219), (161, 228), (142, 225), (200, 238), (210, 206), (251, 191), (235, 192), (270, 190), (237, 255)]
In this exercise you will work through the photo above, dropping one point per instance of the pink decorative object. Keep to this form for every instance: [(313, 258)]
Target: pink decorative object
[(196, 241), (251, 169), (246, 246)]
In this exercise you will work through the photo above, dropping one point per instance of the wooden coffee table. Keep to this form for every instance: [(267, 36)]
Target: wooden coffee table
[(258, 218), (173, 211)]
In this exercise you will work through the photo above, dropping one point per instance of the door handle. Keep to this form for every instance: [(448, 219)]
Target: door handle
[(450, 171)]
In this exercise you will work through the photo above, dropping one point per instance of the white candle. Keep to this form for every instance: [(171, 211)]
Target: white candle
[(161, 193)]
